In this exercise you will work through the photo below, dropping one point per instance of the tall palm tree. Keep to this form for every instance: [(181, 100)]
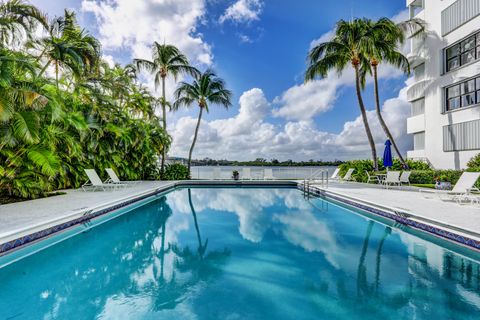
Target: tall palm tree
[(69, 47), (346, 48), (383, 47), (206, 89), (18, 18), (167, 60)]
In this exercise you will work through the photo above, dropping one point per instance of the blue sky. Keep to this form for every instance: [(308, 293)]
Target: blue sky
[(259, 47)]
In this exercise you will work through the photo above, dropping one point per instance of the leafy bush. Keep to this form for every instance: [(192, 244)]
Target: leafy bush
[(429, 176), (176, 171), (474, 163), (361, 166)]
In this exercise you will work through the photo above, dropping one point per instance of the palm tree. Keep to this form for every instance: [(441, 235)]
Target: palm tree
[(18, 18), (383, 41), (67, 46), (346, 47), (167, 60), (206, 88)]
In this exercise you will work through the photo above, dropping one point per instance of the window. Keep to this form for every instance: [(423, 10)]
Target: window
[(419, 72), (419, 141), (464, 52), (462, 136), (463, 94), (418, 107)]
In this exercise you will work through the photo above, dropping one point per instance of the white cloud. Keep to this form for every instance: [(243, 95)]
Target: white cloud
[(243, 11), (249, 135), (302, 102), (135, 25)]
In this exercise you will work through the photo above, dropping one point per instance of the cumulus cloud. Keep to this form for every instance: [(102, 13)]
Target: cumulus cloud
[(302, 102), (249, 134), (134, 25), (242, 11)]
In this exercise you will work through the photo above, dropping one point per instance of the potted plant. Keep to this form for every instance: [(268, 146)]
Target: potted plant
[(442, 182), (235, 175)]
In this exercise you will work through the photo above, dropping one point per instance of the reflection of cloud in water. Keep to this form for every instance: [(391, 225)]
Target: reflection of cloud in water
[(303, 229), (248, 204)]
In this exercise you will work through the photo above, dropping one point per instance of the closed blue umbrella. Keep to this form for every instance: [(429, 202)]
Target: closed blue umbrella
[(387, 155)]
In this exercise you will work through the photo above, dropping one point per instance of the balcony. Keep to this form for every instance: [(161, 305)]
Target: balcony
[(417, 54), (417, 90), (416, 124)]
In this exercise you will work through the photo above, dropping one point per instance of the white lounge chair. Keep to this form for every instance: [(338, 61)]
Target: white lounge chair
[(217, 173), (460, 192), (246, 174), (335, 174), (392, 178), (372, 178), (113, 178), (268, 174), (405, 177), (95, 182), (348, 175)]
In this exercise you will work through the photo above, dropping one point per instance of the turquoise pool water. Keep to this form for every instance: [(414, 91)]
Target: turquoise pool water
[(242, 253)]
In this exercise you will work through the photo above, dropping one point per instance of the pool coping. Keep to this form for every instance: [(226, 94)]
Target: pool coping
[(22, 237), (459, 236)]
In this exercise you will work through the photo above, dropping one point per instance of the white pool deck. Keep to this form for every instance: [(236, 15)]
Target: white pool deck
[(18, 219), (464, 217)]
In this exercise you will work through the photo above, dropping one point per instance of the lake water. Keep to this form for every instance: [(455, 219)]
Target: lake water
[(206, 172)]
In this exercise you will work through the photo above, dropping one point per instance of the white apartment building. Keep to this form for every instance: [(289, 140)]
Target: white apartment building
[(445, 97)]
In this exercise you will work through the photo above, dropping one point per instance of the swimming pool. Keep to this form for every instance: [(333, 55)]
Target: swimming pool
[(242, 253)]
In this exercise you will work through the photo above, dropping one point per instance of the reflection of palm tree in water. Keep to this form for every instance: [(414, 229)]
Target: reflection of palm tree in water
[(362, 270), (201, 265), (386, 233), (201, 247), (165, 212), (362, 284)]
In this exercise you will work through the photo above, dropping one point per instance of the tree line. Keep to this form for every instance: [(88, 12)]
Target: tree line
[(64, 109)]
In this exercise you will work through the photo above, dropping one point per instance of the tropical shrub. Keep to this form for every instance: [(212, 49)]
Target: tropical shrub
[(361, 166), (474, 163), (90, 115), (176, 171)]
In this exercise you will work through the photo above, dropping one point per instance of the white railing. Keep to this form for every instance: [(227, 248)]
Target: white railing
[(279, 173)]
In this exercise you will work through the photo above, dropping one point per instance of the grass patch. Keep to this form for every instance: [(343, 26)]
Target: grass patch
[(6, 199)]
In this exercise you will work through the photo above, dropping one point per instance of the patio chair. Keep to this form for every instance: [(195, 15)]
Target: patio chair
[(217, 174), (96, 183), (246, 174), (460, 192), (268, 174), (113, 178), (405, 177), (392, 178), (348, 175), (373, 178), (335, 174)]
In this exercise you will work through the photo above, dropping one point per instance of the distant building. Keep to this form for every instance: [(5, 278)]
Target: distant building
[(445, 98)]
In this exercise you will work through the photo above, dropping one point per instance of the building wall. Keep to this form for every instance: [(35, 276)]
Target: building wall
[(433, 83)]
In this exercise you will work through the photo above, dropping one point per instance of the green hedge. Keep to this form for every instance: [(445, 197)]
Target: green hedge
[(361, 166), (421, 172), (176, 171)]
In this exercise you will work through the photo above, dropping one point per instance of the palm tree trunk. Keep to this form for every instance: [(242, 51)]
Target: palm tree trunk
[(365, 120), (44, 69), (380, 117), (56, 73), (194, 139), (164, 119)]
